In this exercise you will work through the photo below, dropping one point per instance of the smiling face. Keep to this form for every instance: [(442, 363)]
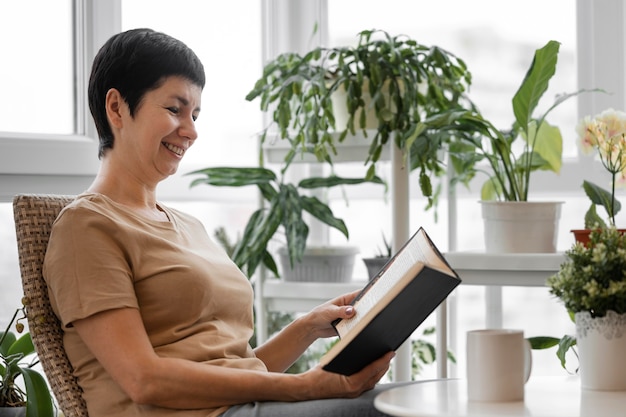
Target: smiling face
[(150, 145)]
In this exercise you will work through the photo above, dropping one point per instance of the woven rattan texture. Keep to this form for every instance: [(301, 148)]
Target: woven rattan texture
[(34, 215)]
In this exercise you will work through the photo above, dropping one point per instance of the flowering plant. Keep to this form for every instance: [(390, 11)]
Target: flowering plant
[(17, 358), (593, 277), (605, 133)]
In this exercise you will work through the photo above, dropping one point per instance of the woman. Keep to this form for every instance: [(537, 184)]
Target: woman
[(157, 318)]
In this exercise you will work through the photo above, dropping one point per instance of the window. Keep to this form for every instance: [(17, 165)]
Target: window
[(37, 155), (48, 68), (232, 38)]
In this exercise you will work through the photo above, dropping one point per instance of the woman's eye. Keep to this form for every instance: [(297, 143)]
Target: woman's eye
[(174, 110)]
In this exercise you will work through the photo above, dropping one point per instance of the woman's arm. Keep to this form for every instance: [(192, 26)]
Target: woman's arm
[(118, 340), (282, 350)]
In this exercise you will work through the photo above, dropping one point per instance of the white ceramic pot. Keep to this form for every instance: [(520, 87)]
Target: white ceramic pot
[(521, 226), (320, 264), (601, 346)]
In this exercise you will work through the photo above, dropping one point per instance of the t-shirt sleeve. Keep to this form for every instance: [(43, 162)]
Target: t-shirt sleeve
[(86, 267)]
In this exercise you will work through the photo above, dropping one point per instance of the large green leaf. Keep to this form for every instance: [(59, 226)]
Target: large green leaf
[(23, 345), (565, 344), (333, 180), (250, 250), (233, 176), (296, 230), (38, 399), (323, 213), (535, 83), (542, 342), (548, 143), (602, 197), (7, 339), (593, 219)]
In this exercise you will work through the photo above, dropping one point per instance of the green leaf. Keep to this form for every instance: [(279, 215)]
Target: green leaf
[(7, 340), (38, 399), (23, 345), (333, 180), (233, 176), (549, 145), (489, 190), (535, 83), (565, 344), (270, 263), (542, 342), (296, 230), (601, 197), (323, 213), (592, 219)]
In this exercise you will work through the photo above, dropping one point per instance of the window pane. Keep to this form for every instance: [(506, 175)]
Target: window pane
[(497, 40), (37, 72), (10, 282)]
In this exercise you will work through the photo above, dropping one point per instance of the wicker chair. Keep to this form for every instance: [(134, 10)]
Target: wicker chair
[(34, 215)]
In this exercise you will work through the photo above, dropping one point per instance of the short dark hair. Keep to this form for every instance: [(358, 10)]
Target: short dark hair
[(135, 62)]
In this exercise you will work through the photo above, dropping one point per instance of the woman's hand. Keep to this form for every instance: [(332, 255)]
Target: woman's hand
[(319, 320), (279, 352), (323, 384)]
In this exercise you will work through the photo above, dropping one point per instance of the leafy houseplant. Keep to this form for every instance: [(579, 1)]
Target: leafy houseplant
[(530, 144), (593, 278), (394, 77), (375, 264), (591, 283), (13, 353), (285, 205), (605, 133)]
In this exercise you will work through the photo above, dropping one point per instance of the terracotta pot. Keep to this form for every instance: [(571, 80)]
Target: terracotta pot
[(582, 235)]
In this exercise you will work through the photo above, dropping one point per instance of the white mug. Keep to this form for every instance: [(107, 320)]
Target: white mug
[(498, 365)]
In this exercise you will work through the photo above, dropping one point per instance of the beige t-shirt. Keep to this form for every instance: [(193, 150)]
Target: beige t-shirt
[(194, 302)]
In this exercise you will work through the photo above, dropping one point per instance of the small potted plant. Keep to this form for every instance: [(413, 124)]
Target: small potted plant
[(395, 80), (591, 283), (34, 399), (604, 134), (512, 155), (376, 263)]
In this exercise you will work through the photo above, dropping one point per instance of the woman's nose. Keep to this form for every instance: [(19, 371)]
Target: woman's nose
[(188, 129)]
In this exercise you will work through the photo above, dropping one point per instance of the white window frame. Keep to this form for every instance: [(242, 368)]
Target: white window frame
[(54, 163), (67, 163)]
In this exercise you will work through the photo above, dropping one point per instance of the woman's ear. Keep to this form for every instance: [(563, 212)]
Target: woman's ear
[(113, 104)]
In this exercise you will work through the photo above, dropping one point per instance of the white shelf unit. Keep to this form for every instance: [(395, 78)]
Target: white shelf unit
[(475, 268)]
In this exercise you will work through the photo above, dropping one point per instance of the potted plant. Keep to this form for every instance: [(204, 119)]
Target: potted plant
[(591, 283), (604, 134), (396, 80), (284, 209), (512, 155), (34, 399), (376, 263)]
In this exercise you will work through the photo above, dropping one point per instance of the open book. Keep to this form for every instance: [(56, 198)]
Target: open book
[(392, 305)]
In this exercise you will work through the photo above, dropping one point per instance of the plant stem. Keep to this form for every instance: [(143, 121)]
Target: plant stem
[(4, 335), (613, 198)]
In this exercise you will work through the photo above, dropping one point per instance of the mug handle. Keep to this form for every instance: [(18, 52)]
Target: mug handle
[(528, 360)]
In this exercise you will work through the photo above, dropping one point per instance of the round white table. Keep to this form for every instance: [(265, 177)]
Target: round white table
[(543, 397)]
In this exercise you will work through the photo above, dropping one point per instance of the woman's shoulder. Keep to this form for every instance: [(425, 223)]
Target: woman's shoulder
[(87, 203), (92, 208)]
